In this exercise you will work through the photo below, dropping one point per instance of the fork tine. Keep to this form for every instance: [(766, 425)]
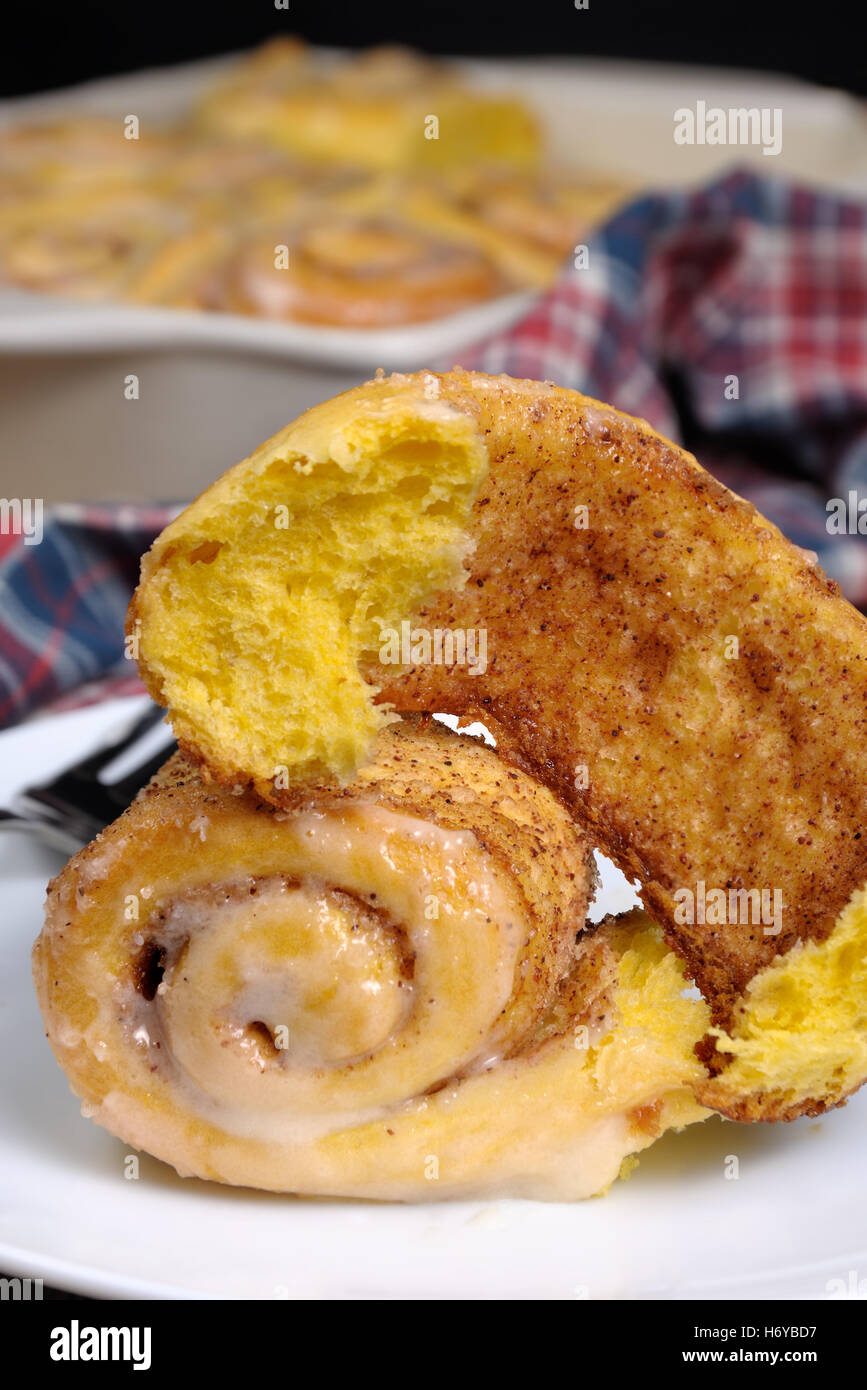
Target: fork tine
[(122, 793), (94, 762), (77, 800)]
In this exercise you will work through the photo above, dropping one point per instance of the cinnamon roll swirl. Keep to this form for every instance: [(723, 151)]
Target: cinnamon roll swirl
[(385, 991), (357, 272)]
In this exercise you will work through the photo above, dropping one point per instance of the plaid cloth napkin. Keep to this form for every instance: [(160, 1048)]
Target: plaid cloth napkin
[(733, 318)]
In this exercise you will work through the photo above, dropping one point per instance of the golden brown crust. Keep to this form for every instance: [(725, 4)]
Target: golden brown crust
[(606, 647), (681, 676), (763, 1106)]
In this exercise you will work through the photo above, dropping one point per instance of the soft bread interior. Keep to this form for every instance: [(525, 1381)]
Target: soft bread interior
[(801, 1029), (258, 603)]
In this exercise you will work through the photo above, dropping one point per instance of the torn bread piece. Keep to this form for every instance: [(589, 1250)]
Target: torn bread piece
[(642, 639)]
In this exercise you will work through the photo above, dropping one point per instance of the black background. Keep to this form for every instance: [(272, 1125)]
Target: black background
[(52, 43)]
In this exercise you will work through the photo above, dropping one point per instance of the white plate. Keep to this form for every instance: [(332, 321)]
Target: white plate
[(37, 323), (794, 1220)]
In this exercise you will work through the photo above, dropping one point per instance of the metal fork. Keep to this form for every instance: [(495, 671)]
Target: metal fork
[(74, 806)]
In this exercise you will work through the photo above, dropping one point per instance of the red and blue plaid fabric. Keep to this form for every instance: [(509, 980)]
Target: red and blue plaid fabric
[(733, 318), (63, 604)]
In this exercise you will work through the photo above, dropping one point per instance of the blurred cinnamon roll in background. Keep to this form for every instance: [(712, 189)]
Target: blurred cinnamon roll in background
[(383, 109), (359, 272), (399, 193)]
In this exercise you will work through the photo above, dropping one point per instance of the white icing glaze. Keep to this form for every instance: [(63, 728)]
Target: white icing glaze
[(363, 1015)]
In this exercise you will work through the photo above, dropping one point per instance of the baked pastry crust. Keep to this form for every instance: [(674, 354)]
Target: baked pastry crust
[(685, 679)]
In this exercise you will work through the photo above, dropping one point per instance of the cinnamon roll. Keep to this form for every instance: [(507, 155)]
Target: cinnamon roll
[(531, 223), (85, 245), (399, 193), (355, 271), (384, 109), (691, 685), (79, 153), (384, 991)]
